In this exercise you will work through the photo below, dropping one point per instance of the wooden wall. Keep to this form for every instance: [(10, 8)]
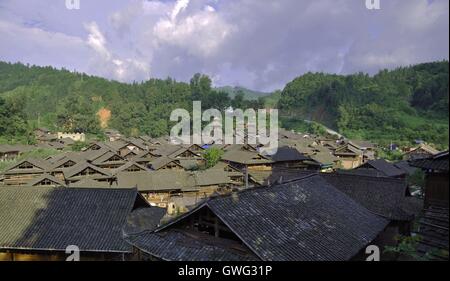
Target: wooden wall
[(436, 190), (11, 255)]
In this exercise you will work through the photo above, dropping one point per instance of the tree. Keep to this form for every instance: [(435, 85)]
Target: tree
[(200, 86), (212, 156)]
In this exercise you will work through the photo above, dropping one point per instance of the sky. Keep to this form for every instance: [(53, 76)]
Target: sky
[(258, 44)]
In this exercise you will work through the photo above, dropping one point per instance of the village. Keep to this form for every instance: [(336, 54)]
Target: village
[(143, 198)]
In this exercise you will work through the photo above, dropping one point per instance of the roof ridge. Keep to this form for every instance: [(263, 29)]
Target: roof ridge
[(384, 178), (250, 189)]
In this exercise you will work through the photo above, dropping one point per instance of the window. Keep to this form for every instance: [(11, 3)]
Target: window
[(46, 182), (68, 164), (26, 165)]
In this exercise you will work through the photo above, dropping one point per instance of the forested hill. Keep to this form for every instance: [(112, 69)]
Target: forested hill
[(32, 96), (400, 105)]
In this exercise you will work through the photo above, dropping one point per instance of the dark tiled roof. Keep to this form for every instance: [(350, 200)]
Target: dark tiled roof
[(361, 172), (381, 165), (37, 181), (157, 180), (278, 175), (92, 155), (39, 166), (288, 154), (348, 149), (245, 157), (72, 171), (381, 195), (211, 177), (42, 218), (362, 144), (436, 162), (160, 162), (143, 219), (177, 245), (405, 166), (306, 219), (89, 183), (5, 148), (128, 165), (106, 158), (172, 179)]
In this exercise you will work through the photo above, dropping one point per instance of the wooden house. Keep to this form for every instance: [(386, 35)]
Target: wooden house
[(384, 196), (243, 160), (436, 182), (60, 164), (158, 187), (349, 156), (291, 158), (86, 170), (165, 163), (11, 152), (380, 167), (434, 222), (46, 180), (123, 147), (131, 167), (109, 160), (422, 151), (113, 135), (40, 223), (254, 225), (24, 171), (236, 177), (145, 157)]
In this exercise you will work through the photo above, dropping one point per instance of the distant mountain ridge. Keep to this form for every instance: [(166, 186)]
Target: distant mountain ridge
[(248, 94)]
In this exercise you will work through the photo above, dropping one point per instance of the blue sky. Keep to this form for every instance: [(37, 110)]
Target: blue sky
[(260, 44)]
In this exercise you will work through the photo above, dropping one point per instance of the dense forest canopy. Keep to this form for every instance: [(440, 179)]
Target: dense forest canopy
[(32, 96), (400, 105)]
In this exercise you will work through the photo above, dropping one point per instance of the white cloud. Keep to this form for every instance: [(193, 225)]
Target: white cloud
[(201, 33), (180, 6), (40, 47), (97, 41), (109, 65)]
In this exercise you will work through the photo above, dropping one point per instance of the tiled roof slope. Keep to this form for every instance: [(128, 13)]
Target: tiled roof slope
[(177, 245), (303, 220), (382, 195), (438, 162), (42, 218), (386, 168), (306, 219)]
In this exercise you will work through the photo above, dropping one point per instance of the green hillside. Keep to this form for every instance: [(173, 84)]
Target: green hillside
[(32, 96), (400, 105), (393, 106)]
